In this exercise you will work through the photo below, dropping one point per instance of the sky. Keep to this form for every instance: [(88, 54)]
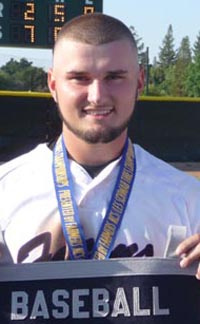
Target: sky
[(150, 19)]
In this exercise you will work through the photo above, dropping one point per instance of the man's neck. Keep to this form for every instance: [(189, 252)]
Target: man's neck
[(93, 154), (94, 170)]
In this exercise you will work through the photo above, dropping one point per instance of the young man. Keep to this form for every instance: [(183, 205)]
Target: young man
[(112, 198)]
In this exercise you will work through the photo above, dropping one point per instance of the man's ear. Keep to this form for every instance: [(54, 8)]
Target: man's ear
[(52, 84), (141, 81)]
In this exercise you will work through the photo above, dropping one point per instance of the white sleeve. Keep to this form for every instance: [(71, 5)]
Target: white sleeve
[(192, 198)]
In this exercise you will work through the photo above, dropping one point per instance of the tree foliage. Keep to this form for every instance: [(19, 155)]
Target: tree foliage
[(184, 52), (192, 81), (177, 72), (22, 75), (167, 55), (183, 61), (140, 46), (196, 47)]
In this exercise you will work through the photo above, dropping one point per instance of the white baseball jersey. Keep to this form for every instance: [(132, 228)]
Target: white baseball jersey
[(161, 197)]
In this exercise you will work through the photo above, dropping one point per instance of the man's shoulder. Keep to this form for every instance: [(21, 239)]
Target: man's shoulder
[(163, 173), (24, 163)]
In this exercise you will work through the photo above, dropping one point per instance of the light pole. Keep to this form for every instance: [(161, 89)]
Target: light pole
[(147, 72)]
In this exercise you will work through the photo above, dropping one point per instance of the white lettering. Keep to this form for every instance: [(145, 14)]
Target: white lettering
[(137, 311), (89, 2), (57, 298), (100, 301), (120, 304), (39, 306), (85, 303), (77, 303), (1, 9), (156, 307), (19, 305)]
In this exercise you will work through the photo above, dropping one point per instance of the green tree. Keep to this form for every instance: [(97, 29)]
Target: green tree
[(140, 46), (6, 81), (184, 51), (23, 76), (196, 47), (192, 82), (157, 76), (165, 88), (167, 55), (183, 61), (162, 71), (11, 67)]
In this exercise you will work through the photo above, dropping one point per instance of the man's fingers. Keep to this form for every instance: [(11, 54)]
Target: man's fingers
[(198, 272), (188, 244)]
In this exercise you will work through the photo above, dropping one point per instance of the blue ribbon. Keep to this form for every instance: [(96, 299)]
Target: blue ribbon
[(72, 229)]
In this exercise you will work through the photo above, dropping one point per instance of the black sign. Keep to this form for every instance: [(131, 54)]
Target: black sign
[(36, 23), (142, 291)]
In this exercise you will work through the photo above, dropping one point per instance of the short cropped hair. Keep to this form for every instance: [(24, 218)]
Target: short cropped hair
[(95, 29)]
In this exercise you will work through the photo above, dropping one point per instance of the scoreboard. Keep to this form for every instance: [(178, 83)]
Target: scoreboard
[(36, 23)]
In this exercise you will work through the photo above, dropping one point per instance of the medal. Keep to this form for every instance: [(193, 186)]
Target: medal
[(68, 208)]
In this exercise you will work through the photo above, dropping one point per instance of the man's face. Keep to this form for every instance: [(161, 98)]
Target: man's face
[(95, 88)]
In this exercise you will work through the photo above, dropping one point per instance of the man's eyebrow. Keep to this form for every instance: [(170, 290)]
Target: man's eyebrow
[(84, 73), (117, 72), (76, 72)]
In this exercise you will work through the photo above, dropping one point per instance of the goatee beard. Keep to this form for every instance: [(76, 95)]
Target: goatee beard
[(92, 136)]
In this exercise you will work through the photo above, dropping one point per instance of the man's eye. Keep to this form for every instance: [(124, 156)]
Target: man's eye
[(78, 78), (114, 77), (81, 78)]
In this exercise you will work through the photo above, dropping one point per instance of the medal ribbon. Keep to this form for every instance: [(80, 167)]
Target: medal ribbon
[(68, 209)]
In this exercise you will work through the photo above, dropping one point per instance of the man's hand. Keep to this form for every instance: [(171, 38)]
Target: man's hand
[(189, 251)]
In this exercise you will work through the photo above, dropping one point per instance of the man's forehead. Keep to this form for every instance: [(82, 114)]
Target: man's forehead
[(80, 56), (64, 43)]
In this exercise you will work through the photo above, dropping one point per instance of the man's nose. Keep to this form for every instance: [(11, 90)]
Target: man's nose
[(96, 92)]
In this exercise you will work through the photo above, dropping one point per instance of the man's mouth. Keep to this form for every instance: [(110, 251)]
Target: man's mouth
[(98, 112)]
